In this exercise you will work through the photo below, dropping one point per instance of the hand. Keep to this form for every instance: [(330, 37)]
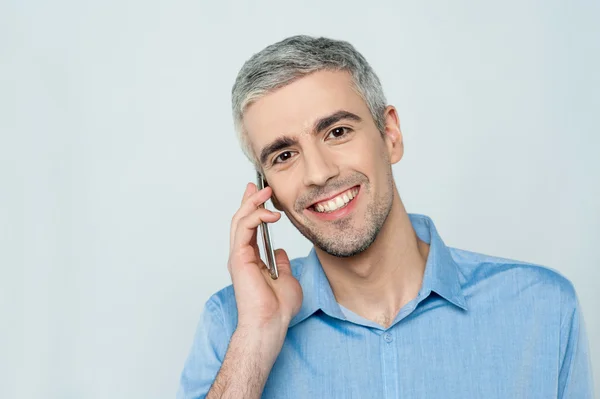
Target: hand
[(261, 301)]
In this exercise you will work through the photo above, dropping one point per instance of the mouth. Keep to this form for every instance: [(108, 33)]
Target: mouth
[(336, 206)]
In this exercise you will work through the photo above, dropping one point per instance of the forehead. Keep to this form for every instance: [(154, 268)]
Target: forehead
[(292, 109)]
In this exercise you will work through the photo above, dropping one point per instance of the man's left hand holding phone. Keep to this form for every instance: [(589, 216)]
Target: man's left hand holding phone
[(266, 303)]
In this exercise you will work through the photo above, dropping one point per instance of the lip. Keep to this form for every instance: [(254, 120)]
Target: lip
[(337, 214), (332, 196)]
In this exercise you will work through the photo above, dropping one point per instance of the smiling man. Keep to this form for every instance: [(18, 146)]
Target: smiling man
[(380, 307)]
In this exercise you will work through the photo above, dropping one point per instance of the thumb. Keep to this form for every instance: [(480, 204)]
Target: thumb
[(283, 262)]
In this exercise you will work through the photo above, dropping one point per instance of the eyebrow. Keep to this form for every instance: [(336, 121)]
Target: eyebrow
[(319, 125)]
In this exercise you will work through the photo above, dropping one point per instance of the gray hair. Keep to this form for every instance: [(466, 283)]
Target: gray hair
[(290, 59)]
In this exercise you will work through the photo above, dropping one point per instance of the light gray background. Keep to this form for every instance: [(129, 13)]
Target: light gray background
[(120, 170)]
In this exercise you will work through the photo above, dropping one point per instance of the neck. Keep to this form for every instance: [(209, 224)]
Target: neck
[(379, 281)]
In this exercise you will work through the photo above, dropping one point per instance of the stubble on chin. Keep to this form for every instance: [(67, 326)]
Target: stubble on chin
[(347, 239)]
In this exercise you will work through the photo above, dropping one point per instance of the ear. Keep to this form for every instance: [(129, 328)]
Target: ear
[(393, 135)]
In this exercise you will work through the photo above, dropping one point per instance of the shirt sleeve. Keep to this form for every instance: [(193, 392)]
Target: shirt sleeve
[(575, 377), (206, 355)]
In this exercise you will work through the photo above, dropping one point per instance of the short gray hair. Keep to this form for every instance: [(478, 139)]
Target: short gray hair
[(290, 59)]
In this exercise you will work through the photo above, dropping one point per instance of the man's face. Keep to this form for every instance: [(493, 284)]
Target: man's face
[(326, 161)]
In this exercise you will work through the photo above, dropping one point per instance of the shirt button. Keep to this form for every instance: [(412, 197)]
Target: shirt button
[(387, 337)]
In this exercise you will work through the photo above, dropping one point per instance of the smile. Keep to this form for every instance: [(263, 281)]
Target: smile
[(339, 201)]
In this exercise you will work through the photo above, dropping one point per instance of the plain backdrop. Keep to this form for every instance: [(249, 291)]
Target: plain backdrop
[(120, 169)]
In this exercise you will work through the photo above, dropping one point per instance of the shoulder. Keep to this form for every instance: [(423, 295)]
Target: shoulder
[(516, 277)]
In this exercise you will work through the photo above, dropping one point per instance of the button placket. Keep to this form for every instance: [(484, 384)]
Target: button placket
[(388, 337)]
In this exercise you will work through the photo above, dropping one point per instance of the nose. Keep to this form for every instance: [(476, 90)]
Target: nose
[(318, 167)]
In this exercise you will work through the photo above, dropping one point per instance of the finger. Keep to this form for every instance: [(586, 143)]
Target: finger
[(250, 189), (247, 226), (251, 201), (250, 204), (244, 253), (283, 261), (257, 197)]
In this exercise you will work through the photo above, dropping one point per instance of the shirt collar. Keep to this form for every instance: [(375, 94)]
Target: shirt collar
[(441, 275), (317, 293)]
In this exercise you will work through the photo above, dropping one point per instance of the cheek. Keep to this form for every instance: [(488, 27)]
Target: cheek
[(284, 198), (286, 204), (362, 156)]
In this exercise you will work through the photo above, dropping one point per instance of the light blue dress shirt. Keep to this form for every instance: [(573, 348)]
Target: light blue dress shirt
[(480, 327)]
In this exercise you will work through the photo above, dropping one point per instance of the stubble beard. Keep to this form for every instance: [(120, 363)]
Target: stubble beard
[(348, 239)]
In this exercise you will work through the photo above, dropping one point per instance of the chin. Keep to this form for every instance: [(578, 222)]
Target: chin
[(340, 243), (347, 236), (346, 251)]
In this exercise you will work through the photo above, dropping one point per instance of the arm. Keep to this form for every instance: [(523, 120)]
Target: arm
[(264, 306), (220, 367), (247, 365), (575, 377), (206, 354)]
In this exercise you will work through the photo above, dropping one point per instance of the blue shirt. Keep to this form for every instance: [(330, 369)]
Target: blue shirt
[(480, 327)]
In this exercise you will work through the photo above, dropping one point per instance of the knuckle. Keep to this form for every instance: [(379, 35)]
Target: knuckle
[(242, 252), (243, 221), (234, 219)]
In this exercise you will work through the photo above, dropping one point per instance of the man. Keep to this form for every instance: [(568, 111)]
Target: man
[(381, 307)]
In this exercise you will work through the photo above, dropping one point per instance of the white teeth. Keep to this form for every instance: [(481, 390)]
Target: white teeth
[(336, 202), (331, 205)]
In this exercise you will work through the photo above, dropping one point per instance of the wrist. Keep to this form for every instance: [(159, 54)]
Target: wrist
[(262, 343)]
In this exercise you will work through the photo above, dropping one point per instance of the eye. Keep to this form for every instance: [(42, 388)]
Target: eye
[(338, 132), (283, 157)]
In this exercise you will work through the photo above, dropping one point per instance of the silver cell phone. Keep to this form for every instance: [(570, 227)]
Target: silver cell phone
[(266, 235)]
